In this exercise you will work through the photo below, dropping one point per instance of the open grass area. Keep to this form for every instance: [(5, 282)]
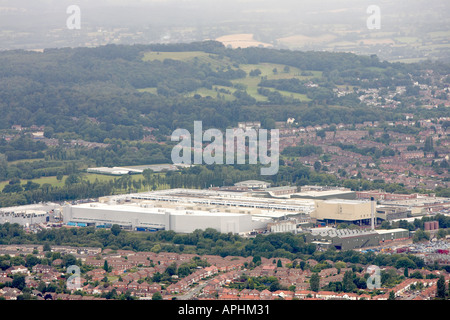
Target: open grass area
[(149, 90), (214, 61), (270, 71), (43, 180), (25, 160), (185, 55), (91, 177)]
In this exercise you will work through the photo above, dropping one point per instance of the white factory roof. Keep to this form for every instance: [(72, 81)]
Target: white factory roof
[(348, 201), (153, 210), (320, 193), (384, 231)]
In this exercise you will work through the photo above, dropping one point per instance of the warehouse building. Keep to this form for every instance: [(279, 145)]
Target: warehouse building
[(253, 184), (325, 194), (349, 239), (28, 215), (148, 217), (389, 213), (341, 210), (283, 191)]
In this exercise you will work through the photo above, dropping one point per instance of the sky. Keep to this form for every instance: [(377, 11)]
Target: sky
[(43, 23)]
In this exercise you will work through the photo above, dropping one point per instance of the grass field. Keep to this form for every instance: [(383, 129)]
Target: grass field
[(186, 55), (214, 61), (220, 63), (92, 177), (149, 90)]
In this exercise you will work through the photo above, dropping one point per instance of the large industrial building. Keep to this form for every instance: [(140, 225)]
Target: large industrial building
[(324, 193), (185, 210), (239, 212), (28, 215), (145, 216), (339, 210), (348, 239)]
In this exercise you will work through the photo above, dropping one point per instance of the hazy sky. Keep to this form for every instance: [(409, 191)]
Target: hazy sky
[(17, 13), (39, 21)]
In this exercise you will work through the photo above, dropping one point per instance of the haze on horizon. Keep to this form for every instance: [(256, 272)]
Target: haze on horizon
[(336, 25)]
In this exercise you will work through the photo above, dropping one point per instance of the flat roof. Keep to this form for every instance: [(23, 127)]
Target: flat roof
[(384, 231), (252, 182), (130, 208), (324, 192), (349, 201)]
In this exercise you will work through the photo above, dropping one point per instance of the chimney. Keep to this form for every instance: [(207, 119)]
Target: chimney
[(372, 213)]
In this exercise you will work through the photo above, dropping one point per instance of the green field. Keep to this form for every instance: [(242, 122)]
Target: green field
[(50, 180), (213, 60), (91, 177), (185, 55), (149, 90), (271, 71)]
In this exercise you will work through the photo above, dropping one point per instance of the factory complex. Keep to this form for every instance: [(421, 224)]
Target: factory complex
[(247, 208), (185, 210)]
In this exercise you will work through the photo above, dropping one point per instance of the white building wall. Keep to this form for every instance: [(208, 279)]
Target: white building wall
[(176, 220)]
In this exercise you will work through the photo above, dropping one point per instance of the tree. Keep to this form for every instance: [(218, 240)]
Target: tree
[(255, 73), (157, 277), (391, 295), (115, 229), (256, 260), (314, 282), (18, 281), (347, 283), (183, 271), (317, 166), (69, 260), (428, 147), (274, 286), (171, 269), (405, 262), (157, 296), (105, 266), (440, 291), (72, 179)]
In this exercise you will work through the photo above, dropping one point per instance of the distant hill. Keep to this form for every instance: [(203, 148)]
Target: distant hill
[(115, 91)]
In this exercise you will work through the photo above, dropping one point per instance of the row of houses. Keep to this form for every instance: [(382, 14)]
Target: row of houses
[(186, 282)]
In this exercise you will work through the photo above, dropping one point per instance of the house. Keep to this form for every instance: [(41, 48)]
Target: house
[(5, 279), (328, 272), (154, 287), (96, 274), (283, 294), (17, 269), (247, 294), (303, 294), (327, 295), (41, 268), (119, 285), (10, 293), (178, 287), (265, 295), (133, 285), (210, 289)]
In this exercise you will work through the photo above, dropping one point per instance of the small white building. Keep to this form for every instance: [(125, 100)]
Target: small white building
[(253, 184)]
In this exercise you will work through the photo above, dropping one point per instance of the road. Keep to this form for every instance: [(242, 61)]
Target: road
[(193, 292)]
